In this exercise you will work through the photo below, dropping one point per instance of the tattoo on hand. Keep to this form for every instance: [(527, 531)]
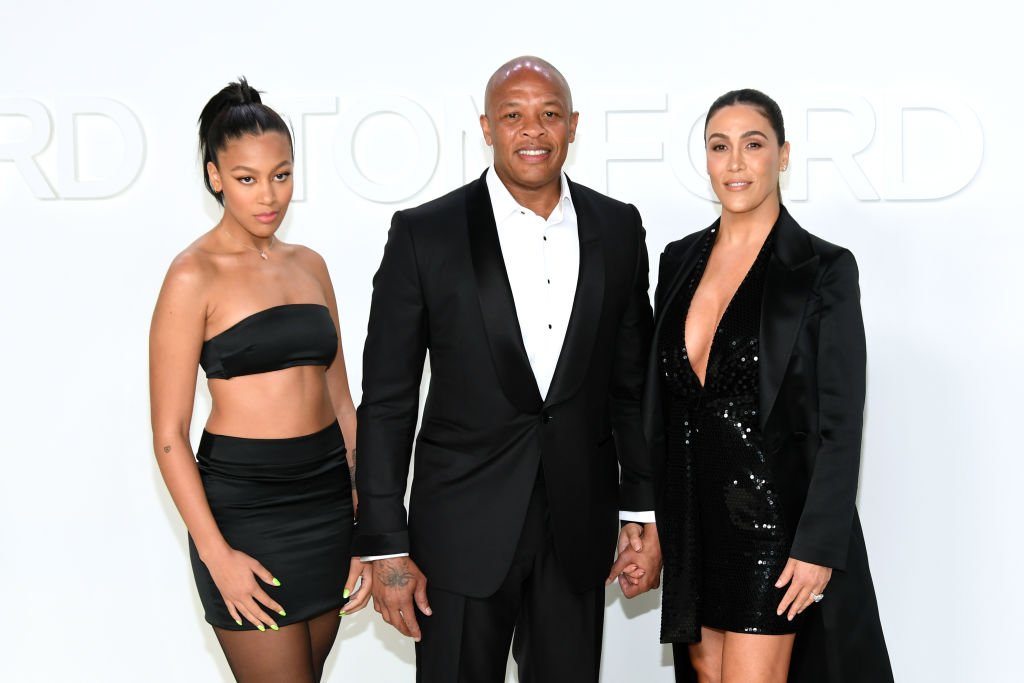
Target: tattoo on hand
[(167, 449), (396, 577)]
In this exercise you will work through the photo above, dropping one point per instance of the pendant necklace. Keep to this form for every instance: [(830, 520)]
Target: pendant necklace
[(261, 252)]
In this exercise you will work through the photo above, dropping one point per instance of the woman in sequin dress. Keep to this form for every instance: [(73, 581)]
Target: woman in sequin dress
[(756, 394)]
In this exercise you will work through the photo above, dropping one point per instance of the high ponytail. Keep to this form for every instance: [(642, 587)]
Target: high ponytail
[(234, 112)]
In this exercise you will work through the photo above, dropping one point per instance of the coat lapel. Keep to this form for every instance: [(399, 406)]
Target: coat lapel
[(497, 305), (791, 272), (581, 334), (673, 272)]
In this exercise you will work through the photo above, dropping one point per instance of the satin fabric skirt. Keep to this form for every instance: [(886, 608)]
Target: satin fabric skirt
[(288, 504)]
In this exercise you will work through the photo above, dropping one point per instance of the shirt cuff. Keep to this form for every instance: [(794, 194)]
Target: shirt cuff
[(641, 517), (371, 558)]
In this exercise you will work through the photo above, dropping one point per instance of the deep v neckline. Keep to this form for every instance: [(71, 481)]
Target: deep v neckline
[(725, 311)]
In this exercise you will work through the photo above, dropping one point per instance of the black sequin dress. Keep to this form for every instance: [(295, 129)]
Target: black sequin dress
[(714, 443)]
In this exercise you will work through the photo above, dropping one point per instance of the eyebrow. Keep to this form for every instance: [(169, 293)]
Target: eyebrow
[(253, 170), (748, 134)]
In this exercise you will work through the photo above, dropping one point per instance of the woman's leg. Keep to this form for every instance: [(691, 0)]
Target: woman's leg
[(322, 632), (726, 657), (270, 656), (753, 658), (706, 656)]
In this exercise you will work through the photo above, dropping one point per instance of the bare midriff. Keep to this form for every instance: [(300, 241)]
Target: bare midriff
[(271, 405)]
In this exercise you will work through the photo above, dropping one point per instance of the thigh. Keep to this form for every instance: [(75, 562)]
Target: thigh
[(558, 633), (753, 658), (269, 657), (323, 630), (705, 657)]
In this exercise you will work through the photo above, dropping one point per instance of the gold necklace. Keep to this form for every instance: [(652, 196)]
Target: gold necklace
[(261, 252)]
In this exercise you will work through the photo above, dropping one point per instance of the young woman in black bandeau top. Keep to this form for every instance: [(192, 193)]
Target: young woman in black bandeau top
[(267, 497)]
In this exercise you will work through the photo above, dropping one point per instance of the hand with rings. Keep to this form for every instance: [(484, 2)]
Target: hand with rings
[(806, 586)]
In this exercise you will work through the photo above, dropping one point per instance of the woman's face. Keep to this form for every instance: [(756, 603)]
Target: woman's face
[(255, 174), (744, 159)]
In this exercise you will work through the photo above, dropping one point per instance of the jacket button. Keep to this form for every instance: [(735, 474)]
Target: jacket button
[(547, 418)]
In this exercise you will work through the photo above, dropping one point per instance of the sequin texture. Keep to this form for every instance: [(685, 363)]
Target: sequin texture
[(715, 444)]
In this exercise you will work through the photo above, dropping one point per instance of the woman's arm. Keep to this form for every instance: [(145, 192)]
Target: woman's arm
[(337, 376), (823, 533), (341, 400), (175, 341)]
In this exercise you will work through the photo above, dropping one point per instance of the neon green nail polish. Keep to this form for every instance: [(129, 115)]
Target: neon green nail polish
[(273, 627), (261, 628), (346, 594), (282, 613), (342, 613), (238, 621), (275, 581)]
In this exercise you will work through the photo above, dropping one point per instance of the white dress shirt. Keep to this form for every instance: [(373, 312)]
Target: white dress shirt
[(542, 259)]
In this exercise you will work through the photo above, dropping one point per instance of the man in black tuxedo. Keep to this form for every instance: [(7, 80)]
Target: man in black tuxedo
[(530, 292)]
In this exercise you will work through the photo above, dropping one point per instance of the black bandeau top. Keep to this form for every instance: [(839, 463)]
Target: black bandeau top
[(272, 339)]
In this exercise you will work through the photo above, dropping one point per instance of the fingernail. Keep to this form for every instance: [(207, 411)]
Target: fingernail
[(346, 594), (282, 613), (238, 621), (261, 628), (275, 581), (273, 627), (341, 613)]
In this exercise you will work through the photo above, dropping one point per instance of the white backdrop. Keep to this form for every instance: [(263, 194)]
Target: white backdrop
[(904, 120)]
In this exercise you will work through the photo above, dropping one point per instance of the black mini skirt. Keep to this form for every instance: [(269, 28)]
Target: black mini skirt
[(288, 504)]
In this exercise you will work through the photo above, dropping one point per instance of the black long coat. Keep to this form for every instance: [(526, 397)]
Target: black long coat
[(811, 404)]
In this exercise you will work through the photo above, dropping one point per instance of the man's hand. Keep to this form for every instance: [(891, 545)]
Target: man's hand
[(638, 567), (396, 583)]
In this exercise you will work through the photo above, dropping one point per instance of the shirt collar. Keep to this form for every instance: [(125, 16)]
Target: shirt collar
[(505, 205)]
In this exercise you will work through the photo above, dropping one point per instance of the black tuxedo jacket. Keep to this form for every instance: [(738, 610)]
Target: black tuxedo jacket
[(486, 431), (812, 389)]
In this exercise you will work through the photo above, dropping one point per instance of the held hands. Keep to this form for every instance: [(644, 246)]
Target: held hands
[(638, 567), (357, 596), (805, 581), (397, 582), (235, 574)]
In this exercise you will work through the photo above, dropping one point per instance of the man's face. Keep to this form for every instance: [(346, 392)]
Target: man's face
[(529, 123)]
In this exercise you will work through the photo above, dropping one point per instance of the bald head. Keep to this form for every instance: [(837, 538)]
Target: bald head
[(519, 66)]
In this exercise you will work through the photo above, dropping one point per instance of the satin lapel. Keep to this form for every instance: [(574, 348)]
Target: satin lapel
[(581, 334), (497, 306), (674, 272), (791, 272), (679, 271)]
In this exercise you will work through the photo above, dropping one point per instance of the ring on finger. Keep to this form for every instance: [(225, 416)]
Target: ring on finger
[(817, 597)]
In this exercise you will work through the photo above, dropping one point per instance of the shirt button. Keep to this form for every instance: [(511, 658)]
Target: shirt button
[(545, 238), (549, 326), (547, 418)]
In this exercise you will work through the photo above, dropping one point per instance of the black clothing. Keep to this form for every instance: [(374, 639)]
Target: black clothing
[(809, 409), (745, 535), (288, 504), (272, 339)]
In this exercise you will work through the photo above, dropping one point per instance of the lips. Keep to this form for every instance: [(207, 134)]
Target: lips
[(533, 154), (268, 217), (737, 185)]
